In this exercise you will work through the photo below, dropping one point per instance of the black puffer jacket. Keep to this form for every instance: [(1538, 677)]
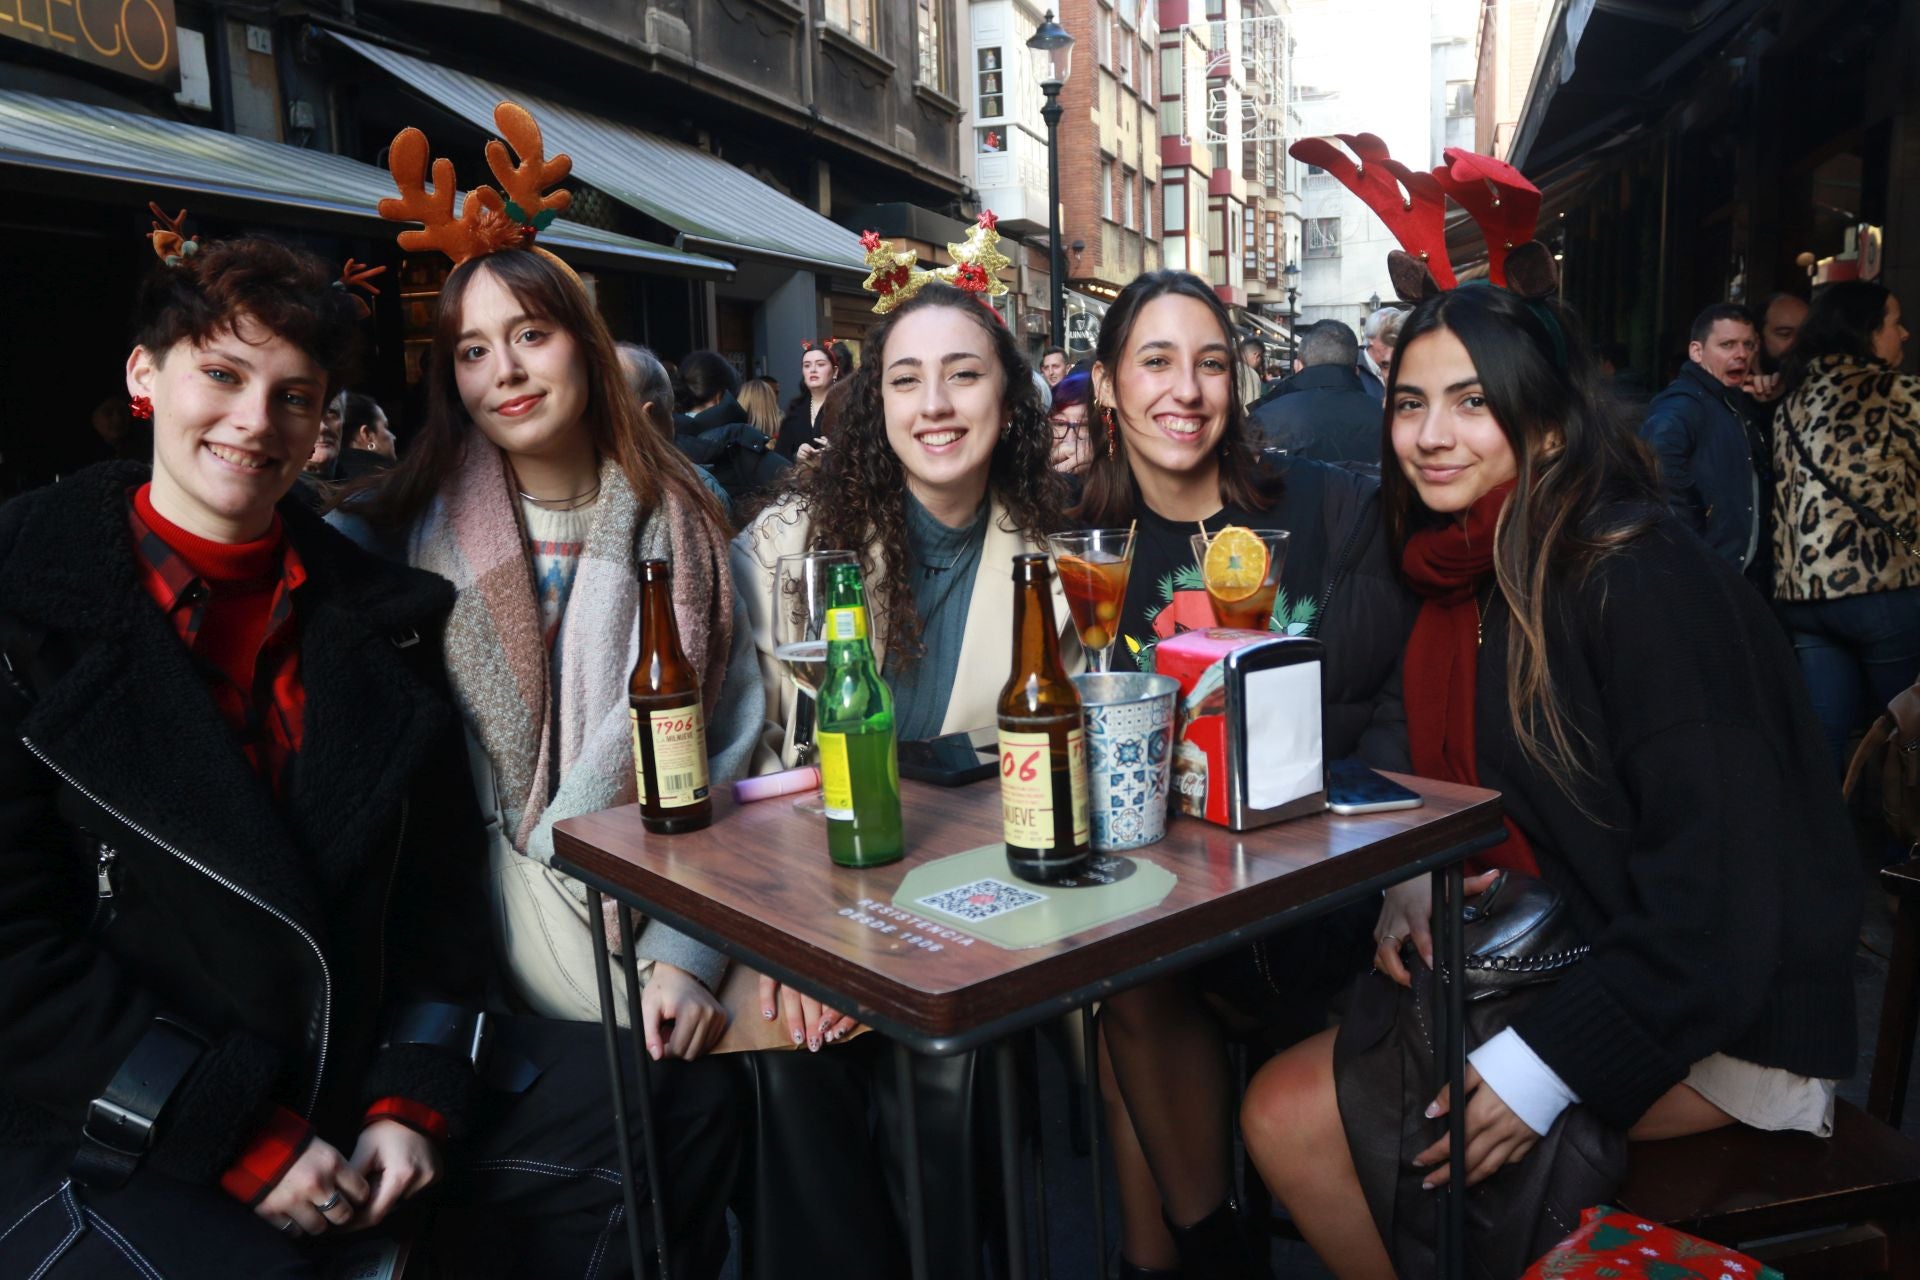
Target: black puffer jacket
[(145, 870)]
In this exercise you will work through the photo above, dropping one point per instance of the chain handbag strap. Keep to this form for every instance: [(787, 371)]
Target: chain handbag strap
[(1866, 513)]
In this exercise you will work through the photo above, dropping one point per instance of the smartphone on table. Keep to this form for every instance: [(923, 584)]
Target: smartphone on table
[(952, 759), (1354, 788)]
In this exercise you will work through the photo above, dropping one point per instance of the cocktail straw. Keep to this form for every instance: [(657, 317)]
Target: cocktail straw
[(1131, 525), (1206, 538)]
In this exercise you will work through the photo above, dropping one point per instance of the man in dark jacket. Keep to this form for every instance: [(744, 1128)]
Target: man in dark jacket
[(718, 435), (243, 924), (1708, 429), (1322, 411)]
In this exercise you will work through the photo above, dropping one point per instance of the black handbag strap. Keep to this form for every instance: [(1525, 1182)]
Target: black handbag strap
[(1904, 541)]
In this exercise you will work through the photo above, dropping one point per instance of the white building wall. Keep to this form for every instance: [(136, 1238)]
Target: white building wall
[(1371, 68), (1012, 179), (1450, 105)]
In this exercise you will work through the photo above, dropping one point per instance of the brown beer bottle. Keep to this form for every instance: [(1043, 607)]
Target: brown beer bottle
[(669, 730), (1043, 746)]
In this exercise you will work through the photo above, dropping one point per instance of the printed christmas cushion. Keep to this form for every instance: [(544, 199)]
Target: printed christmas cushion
[(1614, 1245)]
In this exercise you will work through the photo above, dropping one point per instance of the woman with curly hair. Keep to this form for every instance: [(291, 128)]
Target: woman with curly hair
[(938, 465), (937, 478)]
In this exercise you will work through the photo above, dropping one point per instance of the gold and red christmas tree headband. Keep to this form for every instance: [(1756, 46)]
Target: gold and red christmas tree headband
[(489, 221), (893, 276)]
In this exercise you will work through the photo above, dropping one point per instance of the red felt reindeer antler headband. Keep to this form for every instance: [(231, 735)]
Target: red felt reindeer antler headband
[(1500, 200)]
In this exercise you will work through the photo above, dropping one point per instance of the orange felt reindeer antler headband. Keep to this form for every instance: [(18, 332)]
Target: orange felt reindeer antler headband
[(488, 222)]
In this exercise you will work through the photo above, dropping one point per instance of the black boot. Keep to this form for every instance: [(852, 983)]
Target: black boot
[(1215, 1248)]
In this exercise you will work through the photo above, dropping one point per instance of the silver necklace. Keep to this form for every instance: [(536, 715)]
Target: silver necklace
[(563, 504)]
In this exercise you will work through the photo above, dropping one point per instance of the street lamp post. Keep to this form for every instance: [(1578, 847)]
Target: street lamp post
[(1292, 274), (1052, 51)]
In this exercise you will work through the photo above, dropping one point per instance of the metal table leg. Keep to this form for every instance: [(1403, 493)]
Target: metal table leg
[(1450, 1013), (1090, 1036), (643, 1076), (1044, 1264), (1007, 1087), (617, 1077), (910, 1162)]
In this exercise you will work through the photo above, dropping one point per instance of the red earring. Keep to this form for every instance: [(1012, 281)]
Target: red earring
[(141, 408), (1112, 425)]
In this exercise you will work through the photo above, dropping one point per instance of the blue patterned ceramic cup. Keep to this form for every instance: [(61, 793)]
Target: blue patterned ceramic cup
[(1129, 719)]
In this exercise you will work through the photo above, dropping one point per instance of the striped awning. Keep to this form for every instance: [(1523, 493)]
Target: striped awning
[(715, 206), (156, 157)]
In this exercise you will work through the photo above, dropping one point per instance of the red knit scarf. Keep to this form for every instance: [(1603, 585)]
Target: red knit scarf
[(1448, 564)]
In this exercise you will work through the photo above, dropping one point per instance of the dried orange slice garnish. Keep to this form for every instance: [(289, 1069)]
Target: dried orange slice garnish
[(1236, 564)]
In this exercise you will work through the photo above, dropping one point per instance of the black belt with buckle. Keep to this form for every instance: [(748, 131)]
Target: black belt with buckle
[(121, 1121)]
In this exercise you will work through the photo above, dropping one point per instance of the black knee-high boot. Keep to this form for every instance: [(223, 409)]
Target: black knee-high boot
[(1215, 1248)]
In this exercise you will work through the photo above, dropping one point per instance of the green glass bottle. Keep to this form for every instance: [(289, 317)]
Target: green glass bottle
[(859, 765)]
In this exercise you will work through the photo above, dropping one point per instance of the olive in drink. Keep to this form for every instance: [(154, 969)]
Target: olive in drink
[(669, 729), (1043, 745)]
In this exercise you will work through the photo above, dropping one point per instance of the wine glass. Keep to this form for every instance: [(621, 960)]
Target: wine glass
[(799, 614), (1093, 566)]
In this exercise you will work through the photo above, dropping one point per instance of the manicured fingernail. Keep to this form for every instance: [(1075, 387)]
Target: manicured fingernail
[(1426, 1186), (813, 1045), (797, 1037), (767, 1012), (1433, 1109)]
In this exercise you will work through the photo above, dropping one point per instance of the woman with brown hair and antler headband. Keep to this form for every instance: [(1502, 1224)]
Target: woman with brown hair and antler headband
[(1673, 835), (536, 488)]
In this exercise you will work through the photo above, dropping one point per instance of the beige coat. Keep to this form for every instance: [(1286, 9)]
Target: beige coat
[(986, 646)]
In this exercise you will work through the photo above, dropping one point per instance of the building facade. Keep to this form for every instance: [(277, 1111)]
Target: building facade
[(1351, 66), (725, 155), (1230, 209)]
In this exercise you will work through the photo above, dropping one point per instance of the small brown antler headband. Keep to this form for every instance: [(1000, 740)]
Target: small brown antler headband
[(487, 223), (171, 243), (357, 275)]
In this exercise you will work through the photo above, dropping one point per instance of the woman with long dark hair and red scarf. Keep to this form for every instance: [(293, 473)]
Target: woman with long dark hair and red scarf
[(1640, 713)]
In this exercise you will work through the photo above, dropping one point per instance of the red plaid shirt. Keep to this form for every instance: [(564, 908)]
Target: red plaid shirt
[(251, 654)]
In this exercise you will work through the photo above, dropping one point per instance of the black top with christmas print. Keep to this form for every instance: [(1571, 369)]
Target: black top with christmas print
[(1336, 584), (1166, 594)]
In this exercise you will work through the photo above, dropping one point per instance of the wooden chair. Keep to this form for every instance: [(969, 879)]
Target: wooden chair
[(1845, 1206)]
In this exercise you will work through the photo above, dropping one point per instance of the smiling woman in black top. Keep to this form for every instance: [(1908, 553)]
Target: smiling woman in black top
[(1172, 451)]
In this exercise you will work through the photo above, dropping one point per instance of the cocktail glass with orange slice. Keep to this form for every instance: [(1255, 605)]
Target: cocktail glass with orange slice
[(1241, 569), (1093, 566)]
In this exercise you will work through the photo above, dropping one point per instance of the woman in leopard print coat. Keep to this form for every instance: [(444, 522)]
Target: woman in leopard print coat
[(1846, 455)]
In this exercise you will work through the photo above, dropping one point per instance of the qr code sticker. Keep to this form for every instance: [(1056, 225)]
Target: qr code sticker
[(982, 900)]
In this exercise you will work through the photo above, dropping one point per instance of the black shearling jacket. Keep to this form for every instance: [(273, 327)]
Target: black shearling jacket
[(145, 870)]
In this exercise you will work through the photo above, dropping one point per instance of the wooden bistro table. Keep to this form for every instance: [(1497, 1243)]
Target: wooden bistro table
[(758, 886)]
